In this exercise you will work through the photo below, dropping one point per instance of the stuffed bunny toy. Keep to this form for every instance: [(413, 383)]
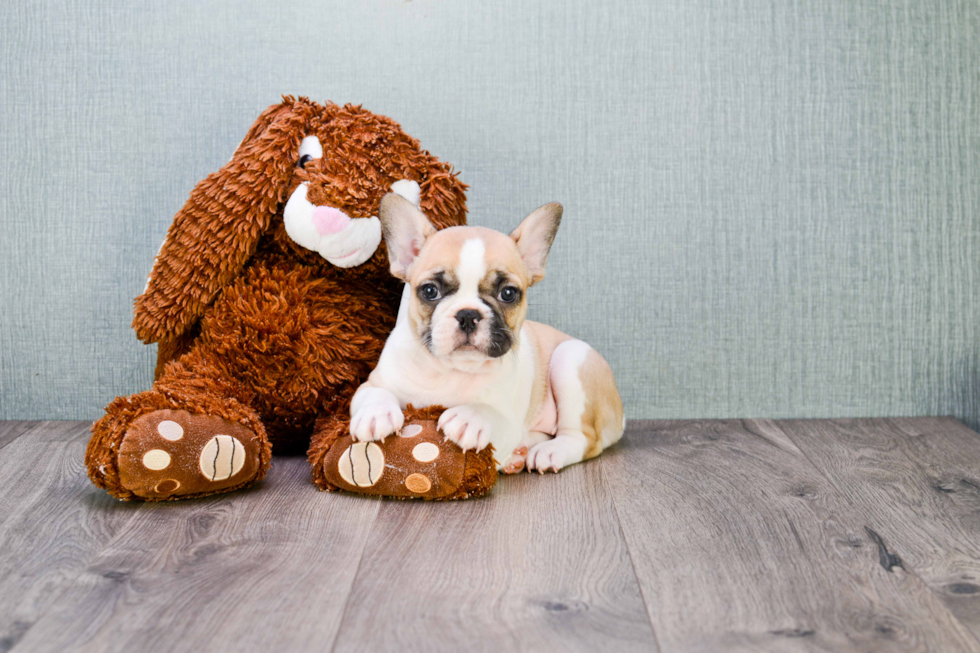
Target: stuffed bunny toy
[(270, 301)]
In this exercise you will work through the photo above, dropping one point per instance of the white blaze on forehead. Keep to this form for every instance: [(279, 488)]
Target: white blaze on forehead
[(445, 333), (472, 267)]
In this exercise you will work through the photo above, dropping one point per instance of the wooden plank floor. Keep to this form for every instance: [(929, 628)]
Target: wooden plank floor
[(824, 535)]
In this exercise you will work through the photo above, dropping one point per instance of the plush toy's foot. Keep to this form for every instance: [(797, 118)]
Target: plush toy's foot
[(169, 454), (417, 462), (516, 461)]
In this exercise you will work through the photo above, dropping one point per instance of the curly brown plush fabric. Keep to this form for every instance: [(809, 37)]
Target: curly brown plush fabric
[(252, 327)]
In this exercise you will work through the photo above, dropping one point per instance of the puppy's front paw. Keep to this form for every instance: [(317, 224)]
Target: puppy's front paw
[(467, 426), (376, 421)]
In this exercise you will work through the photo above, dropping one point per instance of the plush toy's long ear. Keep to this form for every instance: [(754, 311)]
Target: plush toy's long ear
[(534, 237), (443, 195), (218, 229), (405, 229)]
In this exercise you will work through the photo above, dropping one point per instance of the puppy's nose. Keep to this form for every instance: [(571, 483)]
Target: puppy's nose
[(467, 319), (329, 220)]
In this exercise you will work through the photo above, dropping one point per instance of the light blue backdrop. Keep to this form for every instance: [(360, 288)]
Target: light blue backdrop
[(772, 208)]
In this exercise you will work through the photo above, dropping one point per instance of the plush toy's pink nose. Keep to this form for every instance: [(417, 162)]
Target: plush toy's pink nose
[(329, 220)]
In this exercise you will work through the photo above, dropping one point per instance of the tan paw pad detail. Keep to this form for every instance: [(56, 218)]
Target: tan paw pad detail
[(418, 483), (361, 464), (425, 452), (167, 486), (156, 459), (170, 430), (410, 431), (222, 457)]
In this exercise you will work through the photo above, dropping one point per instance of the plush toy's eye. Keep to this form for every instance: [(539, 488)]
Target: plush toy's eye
[(309, 149), (429, 292), (509, 295)]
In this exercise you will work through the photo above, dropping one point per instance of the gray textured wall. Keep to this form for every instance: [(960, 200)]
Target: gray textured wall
[(772, 208)]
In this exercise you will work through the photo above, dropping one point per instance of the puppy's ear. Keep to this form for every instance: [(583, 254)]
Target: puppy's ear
[(534, 237), (405, 229), (218, 229)]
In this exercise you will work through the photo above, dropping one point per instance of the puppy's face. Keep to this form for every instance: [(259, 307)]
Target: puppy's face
[(468, 284), (468, 294)]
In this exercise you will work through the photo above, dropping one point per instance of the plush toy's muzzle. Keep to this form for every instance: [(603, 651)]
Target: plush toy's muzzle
[(342, 240)]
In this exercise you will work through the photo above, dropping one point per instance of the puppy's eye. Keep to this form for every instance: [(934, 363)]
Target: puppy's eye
[(303, 160), (429, 292), (509, 295)]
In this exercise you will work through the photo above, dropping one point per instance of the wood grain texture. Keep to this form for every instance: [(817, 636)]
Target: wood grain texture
[(539, 565), (263, 569), (740, 544), (688, 536), (9, 431), (917, 482), (52, 522)]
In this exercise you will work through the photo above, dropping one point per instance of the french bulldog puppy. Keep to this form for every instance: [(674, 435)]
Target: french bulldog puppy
[(542, 398)]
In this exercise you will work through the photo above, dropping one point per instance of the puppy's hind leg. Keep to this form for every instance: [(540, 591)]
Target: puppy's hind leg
[(590, 411), (518, 458)]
